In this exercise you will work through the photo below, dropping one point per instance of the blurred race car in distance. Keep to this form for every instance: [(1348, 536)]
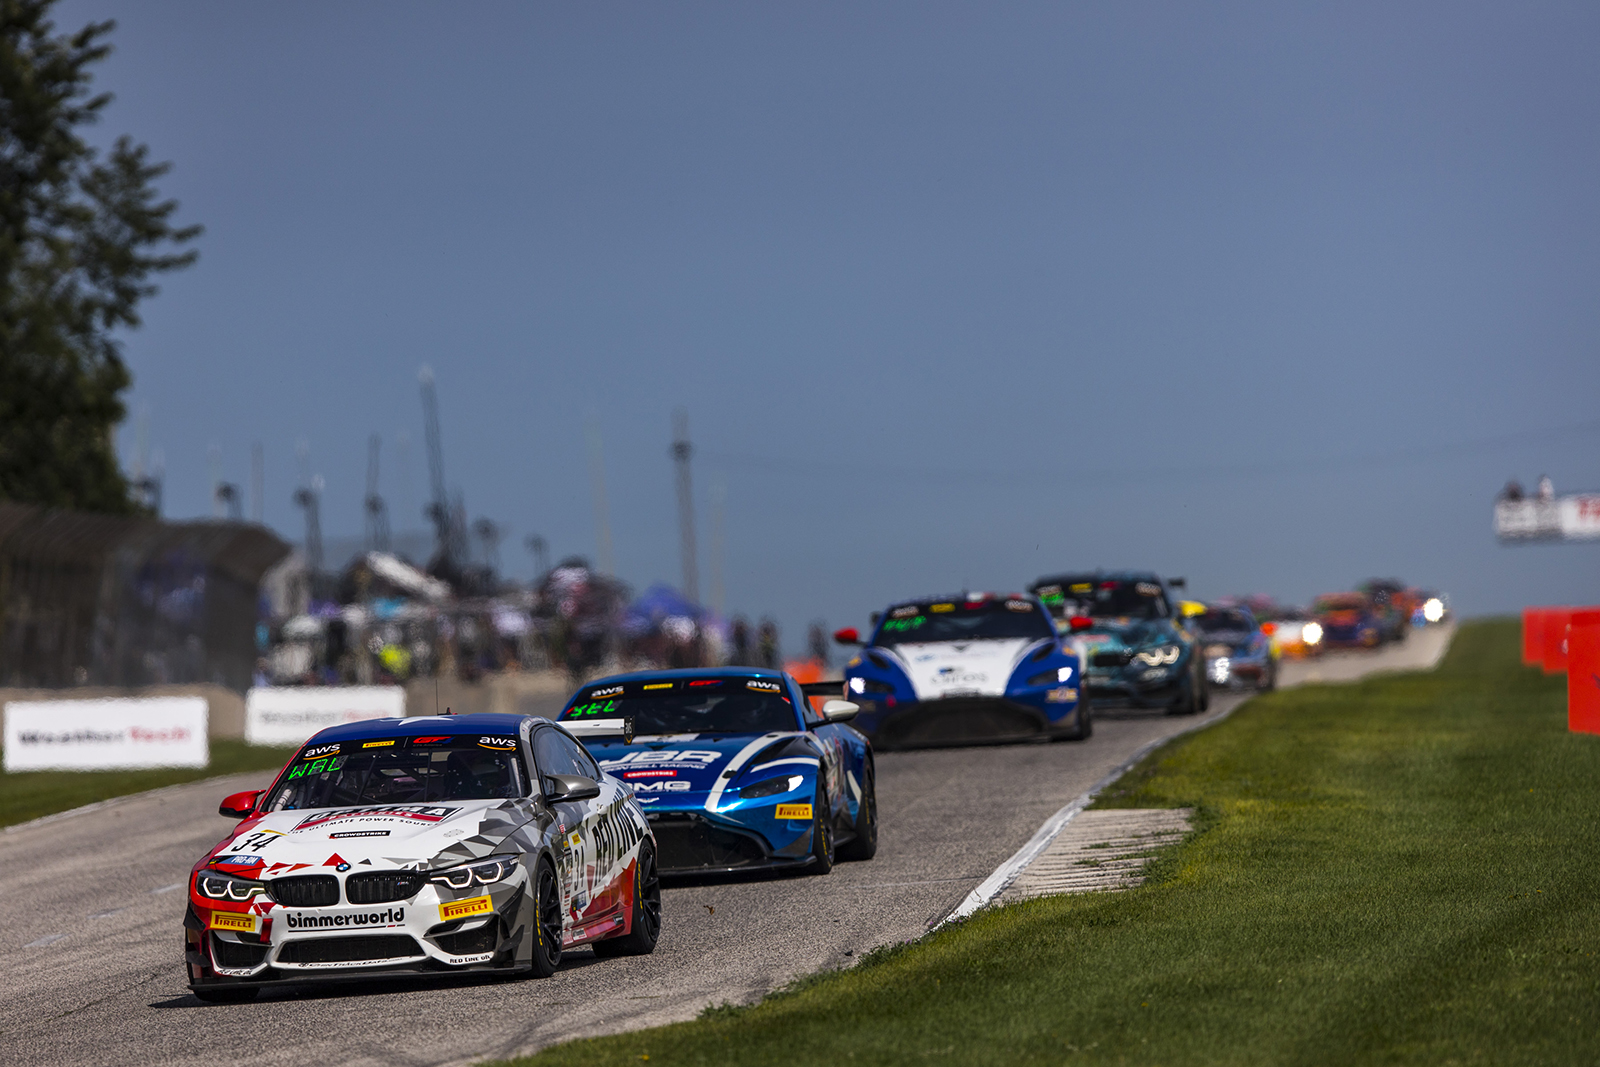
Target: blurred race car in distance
[(1392, 603), (973, 668), (1141, 652), (1348, 621), (1237, 652), (733, 767), (1294, 633)]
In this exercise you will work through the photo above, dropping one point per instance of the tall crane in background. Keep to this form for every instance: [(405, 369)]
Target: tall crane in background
[(681, 450), (449, 523), (377, 511), (309, 498)]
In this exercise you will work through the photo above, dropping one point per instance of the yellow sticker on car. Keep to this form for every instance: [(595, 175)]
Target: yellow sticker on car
[(233, 920), (460, 909), (794, 811), (941, 607)]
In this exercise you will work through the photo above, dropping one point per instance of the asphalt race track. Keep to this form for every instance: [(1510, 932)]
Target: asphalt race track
[(91, 906)]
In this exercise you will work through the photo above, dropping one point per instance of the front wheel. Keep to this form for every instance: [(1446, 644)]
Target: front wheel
[(645, 928), (1084, 724), (547, 924), (821, 834), (865, 844)]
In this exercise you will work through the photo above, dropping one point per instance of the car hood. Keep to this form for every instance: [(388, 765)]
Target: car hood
[(960, 668), (659, 767), (1127, 633), (375, 836)]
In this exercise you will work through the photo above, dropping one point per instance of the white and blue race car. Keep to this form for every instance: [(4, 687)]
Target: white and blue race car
[(734, 768), (970, 669)]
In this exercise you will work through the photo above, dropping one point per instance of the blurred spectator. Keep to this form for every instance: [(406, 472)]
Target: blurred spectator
[(1512, 492), (767, 645), (1547, 489), (740, 656), (817, 643)]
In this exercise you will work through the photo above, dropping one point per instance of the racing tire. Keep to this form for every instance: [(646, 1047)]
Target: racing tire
[(1188, 702), (865, 844), (822, 854), (226, 994), (1085, 722), (547, 924), (1204, 703), (644, 929), (1269, 678)]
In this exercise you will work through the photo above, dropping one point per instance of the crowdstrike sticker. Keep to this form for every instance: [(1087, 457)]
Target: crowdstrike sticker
[(415, 813)]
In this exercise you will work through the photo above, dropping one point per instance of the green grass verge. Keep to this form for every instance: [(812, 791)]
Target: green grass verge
[(30, 794), (1397, 871)]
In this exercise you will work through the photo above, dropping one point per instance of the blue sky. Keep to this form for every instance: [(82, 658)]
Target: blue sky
[(1274, 296)]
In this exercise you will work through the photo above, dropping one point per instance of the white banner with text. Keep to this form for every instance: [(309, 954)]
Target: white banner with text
[(93, 735), (289, 715)]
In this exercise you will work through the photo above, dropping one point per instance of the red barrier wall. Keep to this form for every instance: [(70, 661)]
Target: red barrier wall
[(1583, 672), (1555, 639), (1533, 637)]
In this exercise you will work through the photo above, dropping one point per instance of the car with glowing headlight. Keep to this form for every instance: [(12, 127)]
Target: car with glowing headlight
[(1237, 650), (1141, 651), (427, 845), (734, 768), (1348, 620), (974, 668), (1431, 608)]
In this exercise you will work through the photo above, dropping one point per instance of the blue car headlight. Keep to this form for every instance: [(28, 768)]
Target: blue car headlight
[(1057, 676), (771, 787)]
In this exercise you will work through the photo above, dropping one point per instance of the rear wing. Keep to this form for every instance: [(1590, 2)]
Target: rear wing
[(583, 728)]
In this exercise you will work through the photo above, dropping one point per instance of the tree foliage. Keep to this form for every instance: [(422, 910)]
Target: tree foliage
[(81, 234)]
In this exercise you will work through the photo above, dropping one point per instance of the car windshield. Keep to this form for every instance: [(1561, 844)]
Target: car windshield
[(690, 705), (1223, 622), (400, 770), (1103, 598), (963, 620)]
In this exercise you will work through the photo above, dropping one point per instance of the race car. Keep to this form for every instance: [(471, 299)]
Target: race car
[(1431, 608), (1237, 651), (1348, 620), (975, 668), (428, 845), (1294, 633), (733, 767), (1141, 651)]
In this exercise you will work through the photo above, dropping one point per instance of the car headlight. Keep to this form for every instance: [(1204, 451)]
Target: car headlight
[(1312, 633), (1058, 676), (1433, 610), (219, 886), (1158, 657), (484, 872), (859, 685), (772, 787)]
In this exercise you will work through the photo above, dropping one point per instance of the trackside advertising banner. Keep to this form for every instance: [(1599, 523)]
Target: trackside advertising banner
[(93, 735), (289, 715)]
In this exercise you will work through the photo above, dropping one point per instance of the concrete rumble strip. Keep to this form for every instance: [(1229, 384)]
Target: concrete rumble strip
[(1100, 850)]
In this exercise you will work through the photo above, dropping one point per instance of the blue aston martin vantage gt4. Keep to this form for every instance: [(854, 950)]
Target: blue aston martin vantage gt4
[(734, 768)]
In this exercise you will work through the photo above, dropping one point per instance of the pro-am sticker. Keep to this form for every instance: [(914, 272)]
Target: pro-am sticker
[(499, 744)]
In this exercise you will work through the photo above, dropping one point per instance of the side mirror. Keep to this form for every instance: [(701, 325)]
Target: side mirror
[(240, 805), (840, 710), (1079, 622), (566, 787), (847, 636)]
